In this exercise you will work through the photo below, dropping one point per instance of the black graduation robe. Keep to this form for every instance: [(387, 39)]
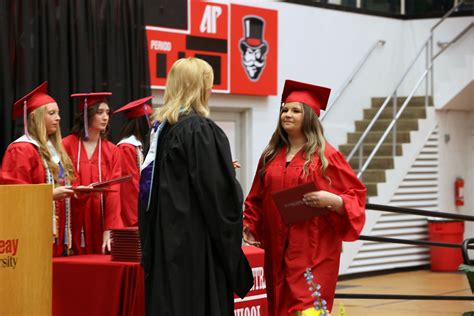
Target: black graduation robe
[(191, 233)]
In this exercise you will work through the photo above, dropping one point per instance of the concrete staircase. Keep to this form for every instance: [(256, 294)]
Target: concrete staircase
[(383, 160)]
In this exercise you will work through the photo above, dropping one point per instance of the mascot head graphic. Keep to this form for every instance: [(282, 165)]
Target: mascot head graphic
[(253, 47)]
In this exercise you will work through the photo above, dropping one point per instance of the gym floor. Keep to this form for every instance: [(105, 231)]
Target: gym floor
[(421, 282)]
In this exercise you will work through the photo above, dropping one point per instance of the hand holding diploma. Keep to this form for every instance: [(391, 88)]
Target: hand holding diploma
[(62, 192), (323, 199)]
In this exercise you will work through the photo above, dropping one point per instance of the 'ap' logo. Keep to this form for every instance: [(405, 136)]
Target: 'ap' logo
[(253, 47), (209, 19)]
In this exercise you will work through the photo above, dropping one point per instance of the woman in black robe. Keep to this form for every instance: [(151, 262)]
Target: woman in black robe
[(191, 222)]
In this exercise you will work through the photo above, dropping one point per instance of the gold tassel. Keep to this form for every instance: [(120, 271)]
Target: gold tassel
[(342, 310)]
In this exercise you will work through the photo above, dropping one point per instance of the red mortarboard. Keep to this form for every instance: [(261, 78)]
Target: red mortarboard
[(315, 97), (86, 100), (90, 98), (136, 108), (31, 102)]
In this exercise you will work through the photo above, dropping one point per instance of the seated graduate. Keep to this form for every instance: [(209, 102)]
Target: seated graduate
[(39, 157), (95, 159), (190, 225), (132, 145)]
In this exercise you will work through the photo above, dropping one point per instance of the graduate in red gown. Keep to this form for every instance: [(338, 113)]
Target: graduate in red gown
[(296, 154), (39, 157), (132, 145), (94, 159)]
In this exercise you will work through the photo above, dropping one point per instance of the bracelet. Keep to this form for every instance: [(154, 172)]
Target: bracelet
[(333, 208)]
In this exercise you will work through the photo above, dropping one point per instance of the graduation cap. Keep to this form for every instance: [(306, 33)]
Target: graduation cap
[(314, 96), (86, 100), (30, 102), (137, 108)]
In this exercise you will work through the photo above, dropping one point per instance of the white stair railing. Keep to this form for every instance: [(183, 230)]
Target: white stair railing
[(392, 127), (351, 77)]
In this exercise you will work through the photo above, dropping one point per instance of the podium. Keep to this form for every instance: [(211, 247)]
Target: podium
[(25, 249)]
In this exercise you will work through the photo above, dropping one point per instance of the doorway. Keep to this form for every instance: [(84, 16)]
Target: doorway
[(233, 123)]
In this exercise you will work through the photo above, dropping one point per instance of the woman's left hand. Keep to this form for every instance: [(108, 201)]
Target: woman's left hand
[(62, 192), (323, 199)]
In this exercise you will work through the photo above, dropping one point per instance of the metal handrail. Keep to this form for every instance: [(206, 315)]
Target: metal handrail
[(408, 99), (430, 50), (351, 77), (384, 104), (428, 46), (446, 15), (392, 123), (454, 40)]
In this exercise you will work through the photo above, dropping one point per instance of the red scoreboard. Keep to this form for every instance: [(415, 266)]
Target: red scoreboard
[(239, 42)]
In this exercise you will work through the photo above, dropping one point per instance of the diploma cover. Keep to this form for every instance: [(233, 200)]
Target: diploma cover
[(104, 185), (291, 206)]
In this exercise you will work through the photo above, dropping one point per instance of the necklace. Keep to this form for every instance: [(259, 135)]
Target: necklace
[(292, 152)]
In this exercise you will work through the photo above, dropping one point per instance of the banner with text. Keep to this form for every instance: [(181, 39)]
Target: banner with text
[(239, 42)]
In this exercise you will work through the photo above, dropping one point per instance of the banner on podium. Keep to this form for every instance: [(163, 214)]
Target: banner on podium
[(255, 303), (25, 249)]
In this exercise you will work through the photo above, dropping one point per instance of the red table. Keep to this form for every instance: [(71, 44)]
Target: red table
[(94, 285)]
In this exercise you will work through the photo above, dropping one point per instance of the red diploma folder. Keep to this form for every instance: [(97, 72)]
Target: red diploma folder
[(89, 189), (103, 186), (291, 206)]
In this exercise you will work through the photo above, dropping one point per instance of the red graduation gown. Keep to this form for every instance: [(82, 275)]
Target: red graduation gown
[(22, 161), (4, 179), (315, 243), (88, 224), (130, 165)]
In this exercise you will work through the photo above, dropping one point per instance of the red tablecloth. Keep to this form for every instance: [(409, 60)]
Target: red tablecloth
[(94, 285)]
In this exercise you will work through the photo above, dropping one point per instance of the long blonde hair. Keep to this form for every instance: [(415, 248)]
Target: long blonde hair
[(315, 141), (188, 89), (37, 129)]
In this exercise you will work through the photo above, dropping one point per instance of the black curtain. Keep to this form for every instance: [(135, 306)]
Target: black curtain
[(77, 46)]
